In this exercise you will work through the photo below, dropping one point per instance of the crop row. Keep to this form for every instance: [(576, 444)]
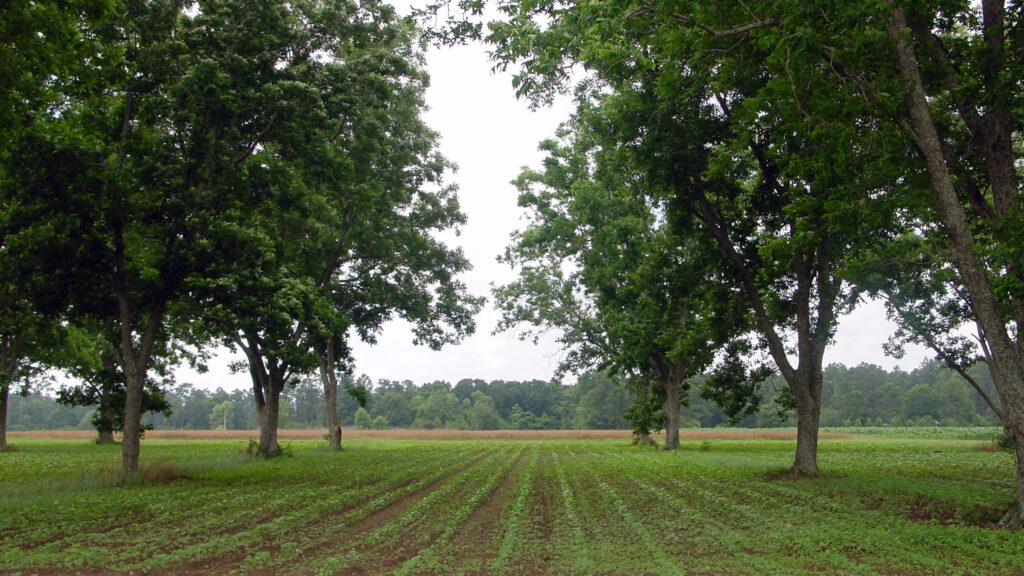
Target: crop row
[(567, 507)]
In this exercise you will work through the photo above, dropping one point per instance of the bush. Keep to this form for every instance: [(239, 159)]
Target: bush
[(362, 419)]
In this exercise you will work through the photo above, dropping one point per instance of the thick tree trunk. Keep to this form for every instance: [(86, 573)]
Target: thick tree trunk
[(104, 437), (268, 382), (131, 434), (5, 395), (808, 415), (135, 365), (9, 358), (642, 440), (1014, 517), (673, 388), (269, 413)]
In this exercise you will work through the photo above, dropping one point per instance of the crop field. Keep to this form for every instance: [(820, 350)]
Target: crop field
[(899, 503)]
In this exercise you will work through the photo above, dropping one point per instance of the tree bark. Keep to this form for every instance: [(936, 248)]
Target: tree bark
[(131, 434), (104, 437), (135, 365), (5, 395), (808, 411), (267, 384), (1014, 517), (642, 440), (9, 357), (329, 378), (673, 389), (269, 414)]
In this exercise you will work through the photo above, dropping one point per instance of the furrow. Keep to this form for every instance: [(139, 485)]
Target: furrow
[(511, 542), (430, 554)]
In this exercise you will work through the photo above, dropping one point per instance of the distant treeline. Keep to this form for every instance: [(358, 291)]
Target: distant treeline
[(863, 395)]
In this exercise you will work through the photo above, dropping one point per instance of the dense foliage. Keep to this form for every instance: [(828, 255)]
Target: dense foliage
[(175, 175), (865, 395)]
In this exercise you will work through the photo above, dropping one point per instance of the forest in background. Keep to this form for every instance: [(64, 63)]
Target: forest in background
[(864, 395)]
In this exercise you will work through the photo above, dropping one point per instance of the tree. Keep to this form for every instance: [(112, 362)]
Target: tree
[(599, 403), (362, 419), (599, 263), (698, 116), (41, 41), (25, 340), (943, 81), (353, 217), (393, 401), (89, 354), (154, 164), (480, 412), (222, 416), (440, 410)]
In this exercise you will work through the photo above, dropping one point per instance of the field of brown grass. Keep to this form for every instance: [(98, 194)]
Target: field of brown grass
[(402, 434)]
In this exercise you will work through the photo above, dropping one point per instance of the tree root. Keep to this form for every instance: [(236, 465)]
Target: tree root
[(1013, 519)]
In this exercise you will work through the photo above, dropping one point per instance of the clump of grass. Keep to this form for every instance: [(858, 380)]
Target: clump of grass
[(161, 473), (644, 440), (154, 473), (253, 449)]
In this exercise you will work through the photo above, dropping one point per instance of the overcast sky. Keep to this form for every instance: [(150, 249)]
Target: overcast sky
[(491, 136)]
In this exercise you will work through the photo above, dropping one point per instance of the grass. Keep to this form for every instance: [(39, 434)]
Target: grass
[(899, 503)]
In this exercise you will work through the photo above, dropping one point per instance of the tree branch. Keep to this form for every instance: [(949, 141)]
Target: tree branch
[(646, 9)]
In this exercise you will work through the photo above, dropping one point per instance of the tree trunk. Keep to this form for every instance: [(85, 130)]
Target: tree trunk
[(269, 413), (808, 415), (5, 395), (673, 387), (135, 366), (330, 382), (105, 427), (642, 440), (131, 434), (105, 437), (329, 378), (267, 385), (1014, 517)]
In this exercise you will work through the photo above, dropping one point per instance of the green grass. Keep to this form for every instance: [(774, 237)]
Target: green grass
[(902, 504)]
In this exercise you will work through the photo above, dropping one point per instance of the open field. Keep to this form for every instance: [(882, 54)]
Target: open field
[(400, 434), (895, 505)]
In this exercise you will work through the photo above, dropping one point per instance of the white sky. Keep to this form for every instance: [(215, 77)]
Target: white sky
[(491, 136)]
